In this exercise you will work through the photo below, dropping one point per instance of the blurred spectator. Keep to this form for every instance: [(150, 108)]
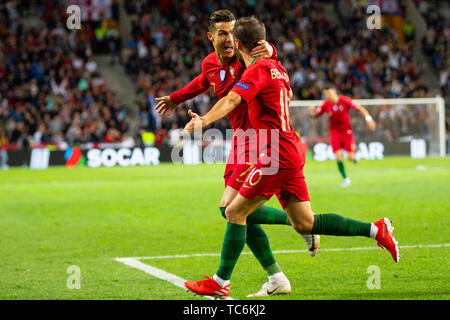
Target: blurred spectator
[(50, 87), (436, 41)]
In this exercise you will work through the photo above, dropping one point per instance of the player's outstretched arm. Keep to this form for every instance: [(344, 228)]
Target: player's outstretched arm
[(220, 109), (167, 104), (370, 123)]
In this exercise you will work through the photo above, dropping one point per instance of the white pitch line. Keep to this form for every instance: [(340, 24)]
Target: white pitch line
[(158, 273), (442, 245)]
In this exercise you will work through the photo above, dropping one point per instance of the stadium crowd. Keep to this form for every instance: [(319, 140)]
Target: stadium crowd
[(436, 42), (51, 91), (169, 42)]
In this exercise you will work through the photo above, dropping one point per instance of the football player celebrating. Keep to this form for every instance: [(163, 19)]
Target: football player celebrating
[(265, 87), (222, 70), (341, 132)]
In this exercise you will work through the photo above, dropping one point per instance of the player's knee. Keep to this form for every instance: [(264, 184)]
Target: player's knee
[(224, 202), (304, 226), (230, 213), (233, 215)]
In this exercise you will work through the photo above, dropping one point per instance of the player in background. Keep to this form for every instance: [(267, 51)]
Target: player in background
[(265, 87), (222, 70), (341, 132)]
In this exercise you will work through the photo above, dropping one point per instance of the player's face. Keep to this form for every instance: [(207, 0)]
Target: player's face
[(331, 95), (222, 39)]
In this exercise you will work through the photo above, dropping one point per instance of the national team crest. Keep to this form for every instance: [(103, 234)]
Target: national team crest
[(335, 108), (222, 75)]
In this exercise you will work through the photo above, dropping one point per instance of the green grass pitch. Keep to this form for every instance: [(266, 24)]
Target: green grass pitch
[(55, 218)]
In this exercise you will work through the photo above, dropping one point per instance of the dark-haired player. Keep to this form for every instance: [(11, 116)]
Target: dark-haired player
[(341, 132), (221, 70), (265, 87)]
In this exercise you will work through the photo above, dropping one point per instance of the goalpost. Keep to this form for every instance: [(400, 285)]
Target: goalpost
[(405, 126)]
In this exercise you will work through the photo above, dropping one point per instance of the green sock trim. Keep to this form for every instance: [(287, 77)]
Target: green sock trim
[(268, 215), (272, 269), (222, 211), (233, 243), (258, 242), (341, 169), (336, 225)]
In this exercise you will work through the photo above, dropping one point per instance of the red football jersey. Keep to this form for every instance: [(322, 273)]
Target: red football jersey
[(222, 79), (265, 87), (338, 113)]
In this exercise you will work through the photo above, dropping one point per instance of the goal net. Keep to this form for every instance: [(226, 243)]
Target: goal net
[(414, 127)]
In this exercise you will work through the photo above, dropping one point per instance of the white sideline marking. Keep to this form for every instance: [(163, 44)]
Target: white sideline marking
[(158, 273), (442, 245), (425, 168)]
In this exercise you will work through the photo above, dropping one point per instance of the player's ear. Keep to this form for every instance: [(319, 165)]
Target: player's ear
[(209, 35)]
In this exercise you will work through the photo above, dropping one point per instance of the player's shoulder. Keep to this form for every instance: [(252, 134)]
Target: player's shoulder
[(262, 64), (265, 62), (326, 103), (345, 99), (210, 61)]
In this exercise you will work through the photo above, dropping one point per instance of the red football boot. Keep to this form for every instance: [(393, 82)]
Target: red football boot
[(385, 238), (208, 287)]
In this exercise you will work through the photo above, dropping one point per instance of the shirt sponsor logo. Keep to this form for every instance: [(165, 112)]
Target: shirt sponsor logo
[(222, 75), (242, 85)]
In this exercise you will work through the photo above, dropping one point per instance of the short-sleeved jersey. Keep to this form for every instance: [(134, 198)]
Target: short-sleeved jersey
[(265, 87), (338, 113)]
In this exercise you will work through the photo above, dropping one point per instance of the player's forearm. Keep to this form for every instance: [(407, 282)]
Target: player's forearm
[(364, 113), (194, 88), (274, 53), (222, 108)]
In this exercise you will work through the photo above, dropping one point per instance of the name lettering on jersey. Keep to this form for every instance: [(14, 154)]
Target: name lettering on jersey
[(222, 75), (276, 74)]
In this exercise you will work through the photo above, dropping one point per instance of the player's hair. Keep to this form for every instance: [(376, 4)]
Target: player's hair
[(328, 85), (220, 16), (249, 30)]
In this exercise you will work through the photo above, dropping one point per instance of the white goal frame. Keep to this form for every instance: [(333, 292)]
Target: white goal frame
[(438, 101)]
